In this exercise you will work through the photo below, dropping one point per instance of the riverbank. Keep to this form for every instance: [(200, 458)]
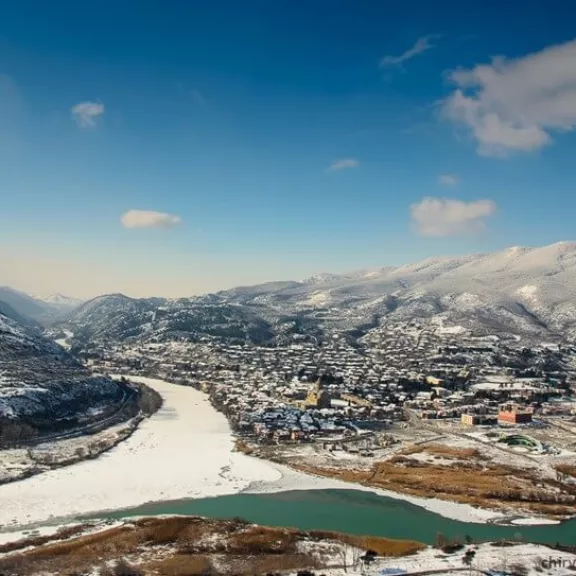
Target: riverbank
[(292, 479), (439, 473), (193, 545), (185, 450), (72, 447)]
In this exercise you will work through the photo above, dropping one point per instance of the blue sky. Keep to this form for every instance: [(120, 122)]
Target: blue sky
[(178, 147)]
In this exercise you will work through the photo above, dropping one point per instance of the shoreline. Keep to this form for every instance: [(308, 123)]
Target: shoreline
[(457, 510), (81, 445), (292, 480), (160, 463)]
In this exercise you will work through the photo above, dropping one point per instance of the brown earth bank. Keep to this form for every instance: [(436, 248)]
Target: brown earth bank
[(189, 546), (464, 475)]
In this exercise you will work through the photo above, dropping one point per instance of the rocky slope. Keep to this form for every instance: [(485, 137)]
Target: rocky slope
[(526, 292), (44, 391)]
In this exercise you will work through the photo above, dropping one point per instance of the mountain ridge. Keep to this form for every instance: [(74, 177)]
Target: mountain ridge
[(519, 291)]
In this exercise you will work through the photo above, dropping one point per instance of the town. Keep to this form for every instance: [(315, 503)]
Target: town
[(344, 391)]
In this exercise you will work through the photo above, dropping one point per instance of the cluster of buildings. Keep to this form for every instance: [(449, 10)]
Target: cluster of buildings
[(343, 391)]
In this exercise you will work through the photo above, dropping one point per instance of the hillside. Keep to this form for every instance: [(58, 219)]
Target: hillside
[(116, 317), (519, 292), (44, 390), (192, 546)]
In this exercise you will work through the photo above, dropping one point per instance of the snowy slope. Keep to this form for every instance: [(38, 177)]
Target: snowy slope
[(529, 292), (61, 302), (42, 385), (117, 317)]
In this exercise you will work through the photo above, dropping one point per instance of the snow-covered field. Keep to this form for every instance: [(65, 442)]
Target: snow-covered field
[(536, 560), (185, 450)]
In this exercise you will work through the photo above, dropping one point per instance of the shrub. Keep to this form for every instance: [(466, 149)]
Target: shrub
[(519, 569), (441, 541), (122, 568)]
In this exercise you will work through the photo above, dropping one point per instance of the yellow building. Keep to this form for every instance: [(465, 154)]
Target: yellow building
[(317, 398), (470, 419)]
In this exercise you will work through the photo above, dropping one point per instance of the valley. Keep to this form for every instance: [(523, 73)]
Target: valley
[(450, 384), (53, 410)]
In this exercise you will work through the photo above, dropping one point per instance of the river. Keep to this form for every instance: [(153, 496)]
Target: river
[(183, 459), (351, 511)]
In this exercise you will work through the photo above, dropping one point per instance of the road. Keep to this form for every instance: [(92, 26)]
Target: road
[(415, 420), (129, 395)]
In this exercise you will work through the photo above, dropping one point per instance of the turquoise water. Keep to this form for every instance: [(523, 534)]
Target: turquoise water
[(351, 511)]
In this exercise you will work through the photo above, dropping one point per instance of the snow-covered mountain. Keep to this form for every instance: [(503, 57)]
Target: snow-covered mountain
[(41, 310), (118, 317), (43, 388), (529, 292), (61, 301), (23, 304)]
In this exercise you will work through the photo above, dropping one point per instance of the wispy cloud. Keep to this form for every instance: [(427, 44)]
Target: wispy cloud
[(343, 164), (421, 45), (439, 217), (516, 105), (87, 113), (149, 219), (449, 179)]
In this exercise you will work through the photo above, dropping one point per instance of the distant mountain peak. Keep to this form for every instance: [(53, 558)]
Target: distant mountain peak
[(62, 299)]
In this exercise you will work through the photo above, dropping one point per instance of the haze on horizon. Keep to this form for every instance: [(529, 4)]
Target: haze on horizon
[(204, 148)]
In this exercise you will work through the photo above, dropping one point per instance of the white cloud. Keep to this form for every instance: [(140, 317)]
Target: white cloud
[(421, 45), (516, 105), (449, 179), (444, 217), (86, 113), (149, 219), (343, 164)]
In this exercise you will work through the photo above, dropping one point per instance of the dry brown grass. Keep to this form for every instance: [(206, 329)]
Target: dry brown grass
[(382, 546), (250, 565), (478, 483), (445, 451), (568, 469), (260, 540), (180, 565), (119, 539), (62, 534), (185, 545), (242, 446)]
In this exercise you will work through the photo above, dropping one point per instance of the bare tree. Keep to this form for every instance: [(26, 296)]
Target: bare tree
[(349, 556)]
